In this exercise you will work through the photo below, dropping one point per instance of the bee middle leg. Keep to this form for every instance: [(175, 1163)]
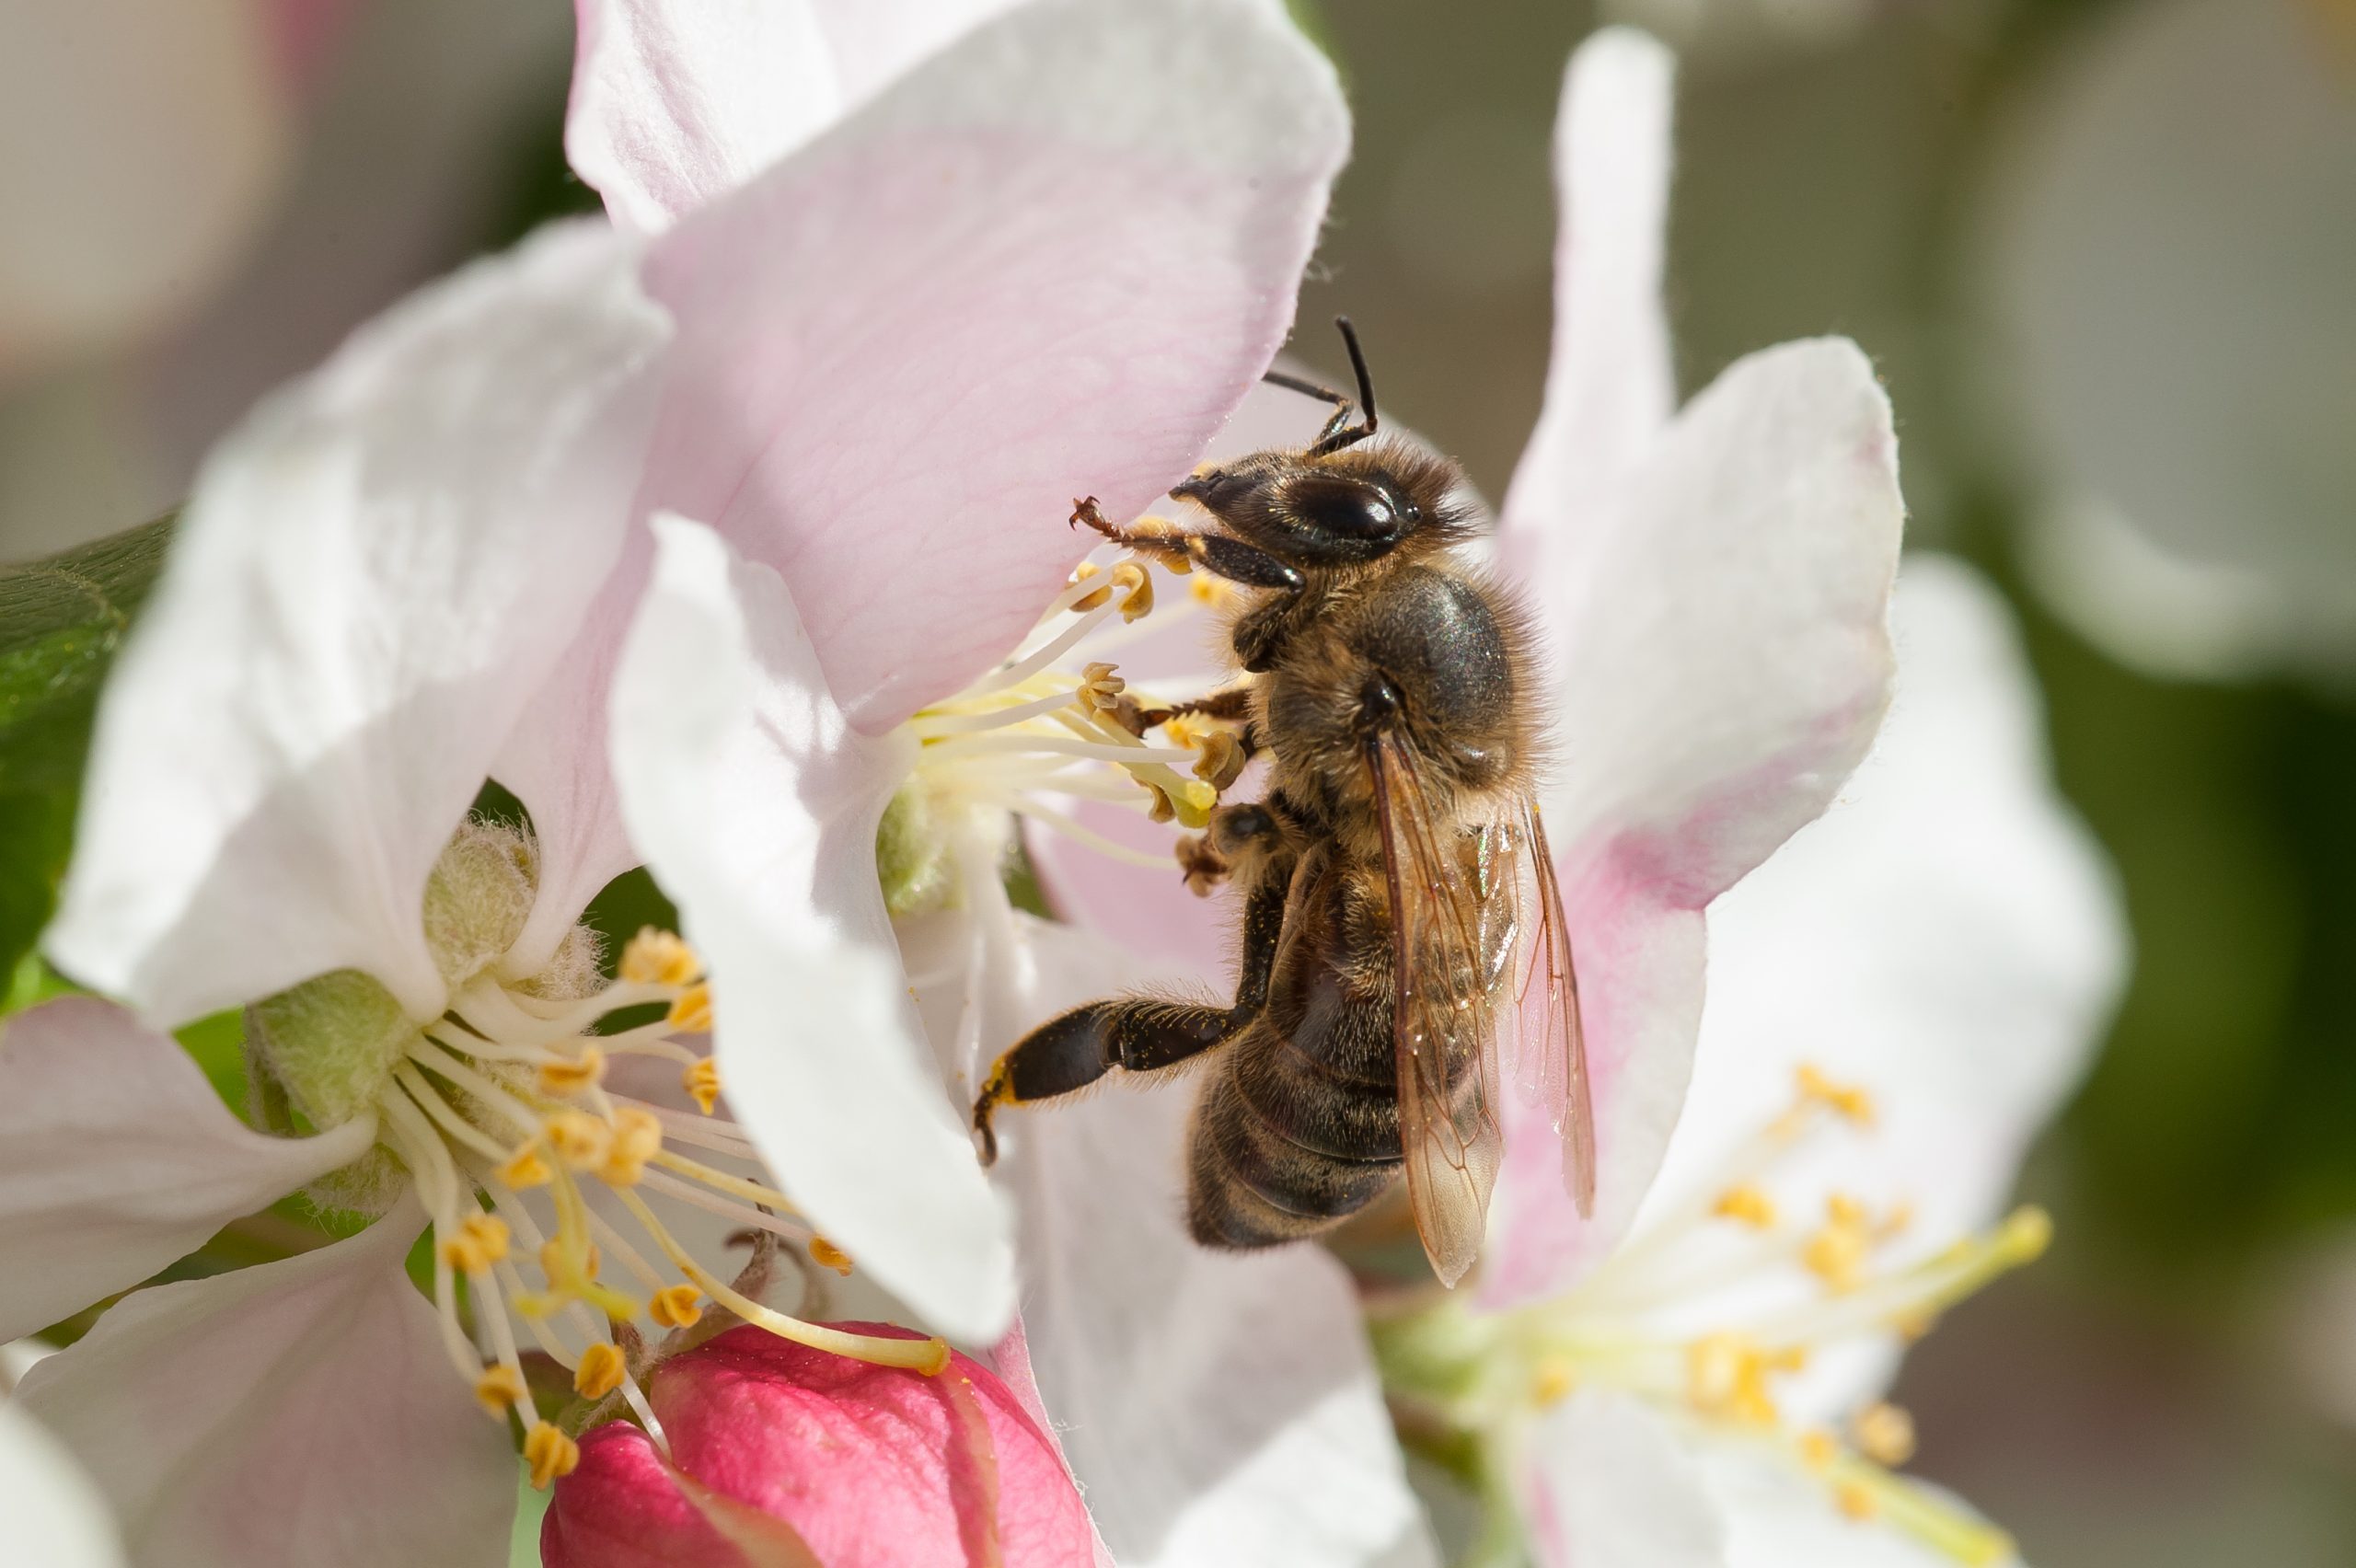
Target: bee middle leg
[(1136, 1034)]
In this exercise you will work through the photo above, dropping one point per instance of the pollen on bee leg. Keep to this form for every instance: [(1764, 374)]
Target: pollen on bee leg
[(499, 1389), (600, 1372), (572, 1074), (550, 1453), (675, 1307), (828, 1255), (702, 1080), (691, 1010), (659, 958)]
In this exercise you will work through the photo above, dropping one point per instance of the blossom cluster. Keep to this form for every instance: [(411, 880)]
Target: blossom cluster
[(723, 536)]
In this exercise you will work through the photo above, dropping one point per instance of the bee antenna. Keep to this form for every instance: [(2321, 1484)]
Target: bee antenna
[(1337, 435)]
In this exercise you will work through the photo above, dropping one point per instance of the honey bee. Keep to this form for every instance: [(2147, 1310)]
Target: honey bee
[(1397, 894)]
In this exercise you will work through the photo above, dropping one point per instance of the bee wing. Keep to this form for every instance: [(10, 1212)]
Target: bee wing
[(1443, 1033), (1552, 1062)]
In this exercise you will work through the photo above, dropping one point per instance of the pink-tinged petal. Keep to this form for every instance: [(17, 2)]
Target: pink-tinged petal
[(374, 573), (1010, 1358), (285, 1416), (1048, 261), (1947, 938), (50, 1512), (1611, 1485), (1609, 381), (1721, 662), (757, 805), (673, 105), (1220, 1409), (875, 1467), (117, 1159)]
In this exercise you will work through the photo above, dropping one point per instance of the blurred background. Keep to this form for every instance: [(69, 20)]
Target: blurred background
[(2104, 252)]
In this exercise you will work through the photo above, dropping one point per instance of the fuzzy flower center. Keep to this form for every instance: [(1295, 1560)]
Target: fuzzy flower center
[(1714, 1313), (505, 1095), (1053, 724)]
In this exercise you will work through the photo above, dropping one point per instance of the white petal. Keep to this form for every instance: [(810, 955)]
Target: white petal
[(1609, 381), (1051, 259), (757, 806), (1721, 658), (117, 1159), (50, 1514), (1610, 1485), (1218, 1409), (374, 573), (291, 1416), (1779, 1518), (674, 104), (1947, 938)]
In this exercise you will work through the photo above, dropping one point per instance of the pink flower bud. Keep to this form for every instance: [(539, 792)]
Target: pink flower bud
[(784, 1456)]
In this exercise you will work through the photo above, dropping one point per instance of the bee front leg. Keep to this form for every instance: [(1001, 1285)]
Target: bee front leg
[(1218, 554)]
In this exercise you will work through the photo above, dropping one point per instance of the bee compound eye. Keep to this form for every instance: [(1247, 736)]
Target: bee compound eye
[(1347, 508)]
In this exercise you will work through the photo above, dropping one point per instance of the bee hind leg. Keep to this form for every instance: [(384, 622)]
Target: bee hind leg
[(1136, 1034)]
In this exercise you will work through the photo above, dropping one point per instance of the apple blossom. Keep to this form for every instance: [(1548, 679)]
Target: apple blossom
[(870, 365), (50, 1512), (780, 1455)]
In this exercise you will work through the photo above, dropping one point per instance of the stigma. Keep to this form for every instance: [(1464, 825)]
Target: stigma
[(545, 1182), (1055, 723)]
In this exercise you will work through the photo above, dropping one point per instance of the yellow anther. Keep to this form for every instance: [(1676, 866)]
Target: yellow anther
[(1819, 1449), (1134, 581), (499, 1389), (1556, 1378), (481, 1241), (1852, 1103), (1222, 760), (2024, 1235), (1836, 1255), (1885, 1434), (567, 1268), (524, 1168), (1856, 1501), (636, 1138), (1846, 1211), (580, 1141), (550, 1454), (828, 1255), (1162, 810), (659, 958), (1915, 1325), (692, 1012), (675, 1307), (1726, 1375), (1747, 1204), (1209, 590), (1099, 687), (702, 1080), (575, 1073), (600, 1372), (1082, 573)]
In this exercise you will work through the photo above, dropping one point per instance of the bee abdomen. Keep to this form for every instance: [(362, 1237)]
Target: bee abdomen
[(1279, 1153)]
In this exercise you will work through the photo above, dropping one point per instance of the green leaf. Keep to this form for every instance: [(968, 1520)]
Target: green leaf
[(62, 621)]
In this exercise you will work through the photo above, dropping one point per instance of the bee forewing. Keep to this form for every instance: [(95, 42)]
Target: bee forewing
[(1551, 1059), (1443, 1029)]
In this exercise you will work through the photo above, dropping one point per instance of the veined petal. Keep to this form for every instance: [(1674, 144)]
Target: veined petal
[(1609, 381), (1218, 1408), (1947, 938), (117, 1159), (1051, 259), (757, 805), (374, 574), (674, 104), (297, 1414), (1721, 663), (1610, 1485), (50, 1512)]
